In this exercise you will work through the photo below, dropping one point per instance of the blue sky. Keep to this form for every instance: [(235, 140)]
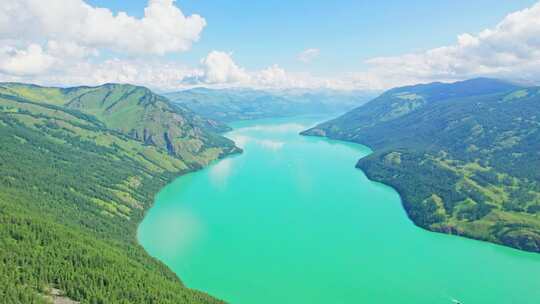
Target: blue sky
[(262, 33), (170, 45)]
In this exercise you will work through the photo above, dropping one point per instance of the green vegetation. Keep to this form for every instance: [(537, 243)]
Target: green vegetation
[(243, 104), (134, 111), (75, 183), (465, 161)]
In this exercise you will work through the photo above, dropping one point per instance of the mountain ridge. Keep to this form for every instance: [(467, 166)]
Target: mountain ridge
[(135, 111), (463, 165), (400, 101), (75, 183)]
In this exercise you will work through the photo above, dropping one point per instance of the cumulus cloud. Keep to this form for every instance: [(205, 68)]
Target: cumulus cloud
[(162, 29), (511, 50), (155, 74), (61, 42), (99, 46), (308, 55), (272, 76), (276, 77), (219, 67), (29, 61), (69, 50)]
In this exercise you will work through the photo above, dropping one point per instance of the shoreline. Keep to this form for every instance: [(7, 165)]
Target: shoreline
[(448, 230), (198, 262), (168, 180)]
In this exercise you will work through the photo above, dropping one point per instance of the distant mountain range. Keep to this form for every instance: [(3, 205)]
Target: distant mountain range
[(241, 104), (465, 156), (79, 168)]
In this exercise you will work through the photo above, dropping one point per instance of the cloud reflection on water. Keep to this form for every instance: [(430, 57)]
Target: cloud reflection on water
[(242, 140), (220, 172), (279, 128), (178, 230), (270, 144), (239, 140)]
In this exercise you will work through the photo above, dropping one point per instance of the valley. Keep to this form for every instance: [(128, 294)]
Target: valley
[(268, 208), (237, 104), (269, 152)]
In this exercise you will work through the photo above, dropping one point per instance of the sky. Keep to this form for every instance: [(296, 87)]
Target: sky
[(170, 45)]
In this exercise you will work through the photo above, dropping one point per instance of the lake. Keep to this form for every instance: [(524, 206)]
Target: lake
[(291, 220)]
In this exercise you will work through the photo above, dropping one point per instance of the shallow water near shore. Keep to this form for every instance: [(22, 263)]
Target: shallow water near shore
[(291, 220)]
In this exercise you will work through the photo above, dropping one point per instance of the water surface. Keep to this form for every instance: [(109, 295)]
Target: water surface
[(292, 221)]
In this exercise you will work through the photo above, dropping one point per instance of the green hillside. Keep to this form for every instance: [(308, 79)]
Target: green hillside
[(464, 156), (137, 112), (75, 183), (243, 104), (398, 102)]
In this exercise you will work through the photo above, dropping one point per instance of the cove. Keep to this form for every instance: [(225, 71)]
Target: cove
[(291, 220)]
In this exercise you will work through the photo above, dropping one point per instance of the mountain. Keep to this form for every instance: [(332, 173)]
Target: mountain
[(136, 112), (80, 167), (242, 104), (463, 156), (398, 102)]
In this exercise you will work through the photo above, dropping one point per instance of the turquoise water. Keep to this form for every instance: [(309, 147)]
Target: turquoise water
[(292, 221)]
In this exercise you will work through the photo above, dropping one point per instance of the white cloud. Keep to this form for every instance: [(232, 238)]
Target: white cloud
[(276, 77), (154, 73), (62, 42), (99, 46), (162, 29), (69, 50), (308, 55), (29, 61), (510, 50), (219, 67), (273, 76)]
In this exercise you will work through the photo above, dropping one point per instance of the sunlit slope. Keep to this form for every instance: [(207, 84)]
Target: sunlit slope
[(466, 163), (137, 112), (73, 189), (401, 101)]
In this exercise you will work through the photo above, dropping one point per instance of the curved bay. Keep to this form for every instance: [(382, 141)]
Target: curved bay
[(292, 221)]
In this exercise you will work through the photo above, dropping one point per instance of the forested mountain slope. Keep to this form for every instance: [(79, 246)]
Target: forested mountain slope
[(242, 104), (465, 162), (401, 101), (75, 183), (134, 111)]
